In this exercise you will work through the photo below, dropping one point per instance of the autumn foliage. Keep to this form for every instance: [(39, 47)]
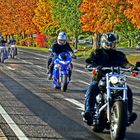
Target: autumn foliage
[(43, 17), (16, 16), (101, 15), (41, 39), (133, 12), (98, 16)]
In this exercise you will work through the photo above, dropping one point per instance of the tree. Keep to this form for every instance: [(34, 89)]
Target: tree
[(128, 32), (44, 17), (16, 16), (101, 15), (133, 12), (68, 14)]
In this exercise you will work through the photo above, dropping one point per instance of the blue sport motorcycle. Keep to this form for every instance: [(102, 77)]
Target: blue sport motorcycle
[(62, 71)]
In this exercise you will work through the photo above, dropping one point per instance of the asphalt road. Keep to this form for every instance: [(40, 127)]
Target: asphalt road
[(30, 108)]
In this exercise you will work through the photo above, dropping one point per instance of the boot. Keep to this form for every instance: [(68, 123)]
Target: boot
[(87, 117), (131, 118)]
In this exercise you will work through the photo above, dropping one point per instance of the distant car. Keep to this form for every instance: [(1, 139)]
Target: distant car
[(138, 47)]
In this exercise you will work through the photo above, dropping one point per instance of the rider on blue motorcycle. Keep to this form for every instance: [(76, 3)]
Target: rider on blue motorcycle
[(106, 56), (61, 45)]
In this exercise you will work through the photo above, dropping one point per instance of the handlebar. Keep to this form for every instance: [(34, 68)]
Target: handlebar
[(112, 69)]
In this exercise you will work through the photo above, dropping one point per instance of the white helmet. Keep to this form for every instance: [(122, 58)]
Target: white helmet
[(61, 39), (62, 33)]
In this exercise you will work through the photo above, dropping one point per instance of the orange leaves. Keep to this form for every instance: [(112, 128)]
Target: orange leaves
[(17, 16), (133, 12), (101, 15)]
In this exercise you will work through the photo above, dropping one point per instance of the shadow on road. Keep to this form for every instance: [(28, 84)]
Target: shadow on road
[(132, 136), (66, 127)]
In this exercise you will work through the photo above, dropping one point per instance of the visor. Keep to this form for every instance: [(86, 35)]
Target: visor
[(62, 42)]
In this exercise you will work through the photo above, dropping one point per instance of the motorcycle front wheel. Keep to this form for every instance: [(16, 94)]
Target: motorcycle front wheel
[(2, 58), (118, 120), (64, 82), (12, 54)]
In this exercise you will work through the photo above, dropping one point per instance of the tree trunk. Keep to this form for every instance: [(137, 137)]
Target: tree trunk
[(96, 41), (129, 43), (76, 42)]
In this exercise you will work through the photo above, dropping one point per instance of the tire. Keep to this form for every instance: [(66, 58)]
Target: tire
[(64, 82), (2, 58), (118, 120), (12, 55)]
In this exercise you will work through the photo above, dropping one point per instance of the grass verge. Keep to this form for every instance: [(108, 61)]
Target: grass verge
[(84, 53)]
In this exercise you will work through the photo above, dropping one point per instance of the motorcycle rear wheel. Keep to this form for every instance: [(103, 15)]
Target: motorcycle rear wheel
[(118, 120)]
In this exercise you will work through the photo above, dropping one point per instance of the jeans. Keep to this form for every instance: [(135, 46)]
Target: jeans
[(50, 65), (93, 91)]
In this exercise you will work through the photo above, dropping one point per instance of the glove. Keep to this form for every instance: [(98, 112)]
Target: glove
[(99, 67), (74, 56)]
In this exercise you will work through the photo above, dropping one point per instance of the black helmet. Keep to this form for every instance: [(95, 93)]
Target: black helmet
[(108, 39)]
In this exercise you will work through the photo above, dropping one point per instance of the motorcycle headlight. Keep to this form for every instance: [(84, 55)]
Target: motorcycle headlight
[(64, 62), (114, 79)]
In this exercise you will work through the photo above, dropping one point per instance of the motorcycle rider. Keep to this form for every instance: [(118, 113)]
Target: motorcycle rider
[(60, 45), (106, 56), (2, 41), (12, 42)]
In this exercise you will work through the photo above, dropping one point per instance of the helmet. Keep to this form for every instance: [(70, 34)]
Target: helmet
[(108, 40), (61, 39), (62, 33)]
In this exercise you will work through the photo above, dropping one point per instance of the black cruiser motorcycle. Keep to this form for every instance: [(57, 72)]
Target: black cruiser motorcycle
[(111, 110)]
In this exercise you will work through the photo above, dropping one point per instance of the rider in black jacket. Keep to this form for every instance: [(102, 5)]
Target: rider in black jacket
[(57, 47), (106, 56)]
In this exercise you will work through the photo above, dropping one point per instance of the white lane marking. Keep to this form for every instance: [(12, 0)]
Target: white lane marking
[(80, 71), (137, 99), (12, 124), (134, 78), (81, 65), (75, 102), (39, 66), (36, 58), (10, 68), (34, 53), (27, 62), (134, 86), (83, 82)]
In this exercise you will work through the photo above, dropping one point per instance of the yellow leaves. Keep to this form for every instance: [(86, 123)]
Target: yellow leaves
[(43, 17)]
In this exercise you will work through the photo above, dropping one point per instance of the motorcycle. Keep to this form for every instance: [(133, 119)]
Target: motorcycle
[(111, 109), (62, 70), (13, 51), (3, 53)]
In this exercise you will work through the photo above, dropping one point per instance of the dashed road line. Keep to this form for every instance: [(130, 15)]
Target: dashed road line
[(10, 68)]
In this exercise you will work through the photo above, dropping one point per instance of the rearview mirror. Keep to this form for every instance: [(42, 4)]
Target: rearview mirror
[(50, 49), (75, 51)]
